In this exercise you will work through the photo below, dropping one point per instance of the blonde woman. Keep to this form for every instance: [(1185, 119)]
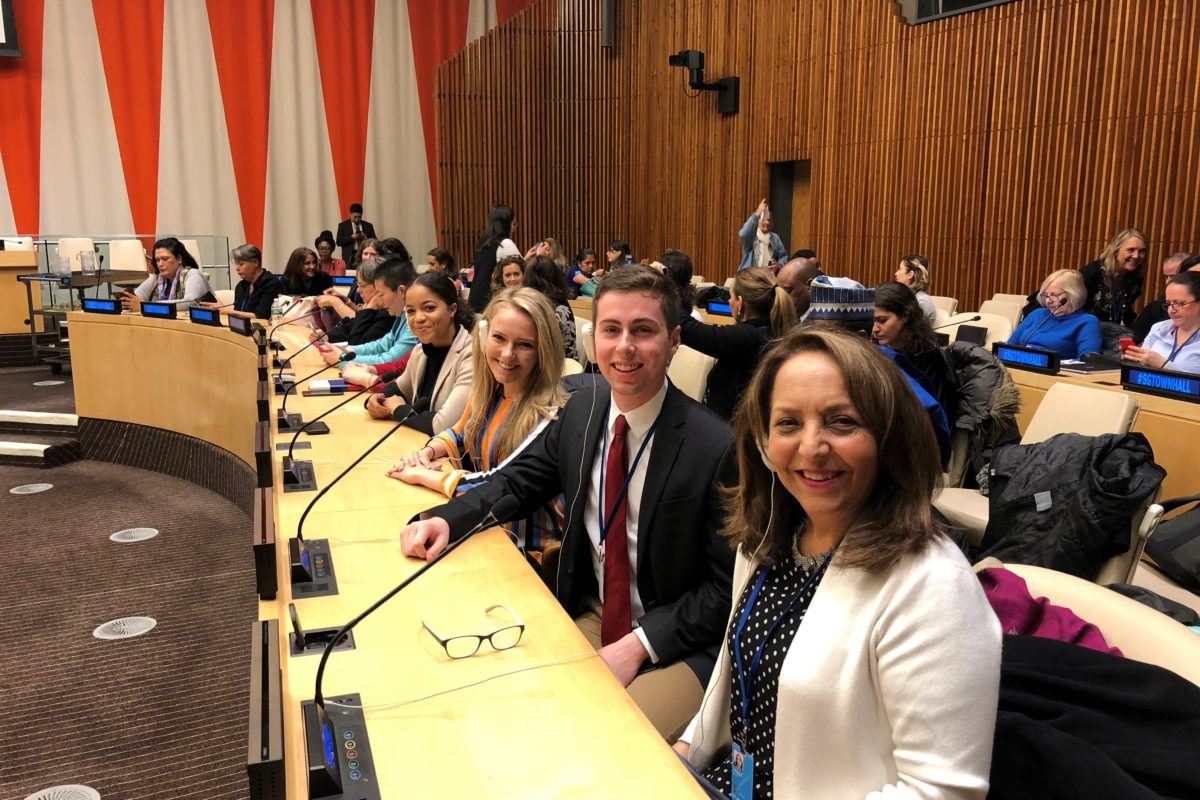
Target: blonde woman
[(763, 310), (509, 404), (913, 272), (1061, 324), (1114, 281)]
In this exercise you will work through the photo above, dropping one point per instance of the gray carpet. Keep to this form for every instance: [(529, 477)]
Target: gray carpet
[(158, 716), (17, 392)]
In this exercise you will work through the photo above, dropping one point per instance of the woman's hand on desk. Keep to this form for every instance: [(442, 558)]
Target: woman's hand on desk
[(1148, 357), (381, 407), (430, 477), (425, 538), (422, 458), (332, 356)]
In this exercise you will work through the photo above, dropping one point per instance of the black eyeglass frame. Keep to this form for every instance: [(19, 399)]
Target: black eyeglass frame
[(480, 638)]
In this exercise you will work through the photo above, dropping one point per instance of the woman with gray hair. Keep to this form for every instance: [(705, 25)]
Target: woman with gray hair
[(256, 291), (1061, 324), (364, 323)]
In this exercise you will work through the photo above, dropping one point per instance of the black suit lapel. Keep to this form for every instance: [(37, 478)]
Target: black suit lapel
[(668, 438)]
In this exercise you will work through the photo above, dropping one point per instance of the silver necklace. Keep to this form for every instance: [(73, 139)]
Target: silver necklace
[(807, 563)]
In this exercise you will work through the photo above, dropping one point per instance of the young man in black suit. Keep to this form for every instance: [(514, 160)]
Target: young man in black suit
[(351, 233), (643, 567)]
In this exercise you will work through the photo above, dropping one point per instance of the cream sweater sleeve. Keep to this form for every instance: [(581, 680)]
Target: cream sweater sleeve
[(937, 669)]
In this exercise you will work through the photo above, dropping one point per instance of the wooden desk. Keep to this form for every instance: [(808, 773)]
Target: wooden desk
[(1171, 426), (545, 719), (14, 309), (196, 380)]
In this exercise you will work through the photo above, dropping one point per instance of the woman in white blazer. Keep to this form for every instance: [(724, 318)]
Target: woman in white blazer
[(440, 368), (862, 659)]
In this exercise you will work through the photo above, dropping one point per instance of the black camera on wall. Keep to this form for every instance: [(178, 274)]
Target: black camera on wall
[(727, 89)]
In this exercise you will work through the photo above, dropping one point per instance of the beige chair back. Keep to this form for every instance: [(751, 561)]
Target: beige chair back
[(947, 304), (1019, 299), (689, 371), (1120, 568), (587, 342), (1071, 408), (126, 254), (940, 318), (224, 296), (729, 283), (1003, 308), (571, 367), (193, 247), (697, 280), (71, 248), (1142, 633)]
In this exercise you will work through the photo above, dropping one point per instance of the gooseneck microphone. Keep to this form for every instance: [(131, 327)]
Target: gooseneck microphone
[(271, 339), (975, 318), (504, 508), (290, 473)]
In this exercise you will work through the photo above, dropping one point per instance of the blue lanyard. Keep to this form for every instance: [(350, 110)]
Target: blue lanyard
[(246, 300), (1175, 351), (604, 526), (746, 676)]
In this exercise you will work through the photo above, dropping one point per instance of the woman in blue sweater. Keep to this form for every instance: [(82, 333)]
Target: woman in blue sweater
[(1061, 324)]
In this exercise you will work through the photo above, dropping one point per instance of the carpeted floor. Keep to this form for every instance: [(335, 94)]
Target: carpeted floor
[(159, 716), (17, 392)]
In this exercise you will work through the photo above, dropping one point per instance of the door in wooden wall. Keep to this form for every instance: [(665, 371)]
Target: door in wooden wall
[(789, 198)]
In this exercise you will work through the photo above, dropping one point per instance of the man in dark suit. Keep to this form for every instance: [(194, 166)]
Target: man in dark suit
[(351, 233), (643, 567)]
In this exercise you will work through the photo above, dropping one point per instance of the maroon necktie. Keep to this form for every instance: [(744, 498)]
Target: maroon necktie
[(615, 620)]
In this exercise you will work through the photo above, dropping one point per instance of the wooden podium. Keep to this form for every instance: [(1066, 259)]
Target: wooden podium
[(13, 308)]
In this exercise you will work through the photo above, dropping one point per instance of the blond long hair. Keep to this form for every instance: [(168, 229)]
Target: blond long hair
[(897, 516), (541, 398), (1109, 256), (764, 298)]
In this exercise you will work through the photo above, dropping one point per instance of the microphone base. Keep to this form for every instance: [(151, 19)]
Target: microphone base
[(311, 568), (339, 735), (294, 421), (299, 477), (315, 642), (283, 384)]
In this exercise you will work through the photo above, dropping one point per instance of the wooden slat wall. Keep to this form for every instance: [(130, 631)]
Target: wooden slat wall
[(1003, 143)]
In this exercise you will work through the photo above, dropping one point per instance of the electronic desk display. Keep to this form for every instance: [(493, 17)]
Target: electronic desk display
[(241, 325), (98, 305), (159, 310), (344, 280), (1162, 382), (719, 308), (204, 316), (1030, 358)]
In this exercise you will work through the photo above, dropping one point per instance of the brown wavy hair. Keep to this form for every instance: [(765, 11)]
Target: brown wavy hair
[(897, 517)]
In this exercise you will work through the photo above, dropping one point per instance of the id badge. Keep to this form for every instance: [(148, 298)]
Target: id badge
[(742, 784)]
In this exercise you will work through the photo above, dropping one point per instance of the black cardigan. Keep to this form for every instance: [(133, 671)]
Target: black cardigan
[(367, 325), (1093, 280), (736, 349)]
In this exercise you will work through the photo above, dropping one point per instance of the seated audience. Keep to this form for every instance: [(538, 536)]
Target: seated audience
[(763, 311), (392, 279), (509, 273), (325, 261), (439, 369), (654, 598), (301, 278), (371, 320), (1114, 281), (585, 273), (677, 266), (179, 280), (257, 289), (796, 276), (862, 658), (901, 324), (440, 260), (1061, 324), (761, 246), (542, 275), (618, 253), (913, 272), (1175, 342), (514, 395), (1155, 310)]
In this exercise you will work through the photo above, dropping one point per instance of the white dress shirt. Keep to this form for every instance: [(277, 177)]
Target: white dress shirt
[(640, 419)]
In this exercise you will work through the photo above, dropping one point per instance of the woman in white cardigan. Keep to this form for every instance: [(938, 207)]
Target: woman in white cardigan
[(860, 641)]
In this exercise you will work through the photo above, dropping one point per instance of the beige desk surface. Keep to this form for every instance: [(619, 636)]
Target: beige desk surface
[(545, 719), (196, 380), (1171, 426)]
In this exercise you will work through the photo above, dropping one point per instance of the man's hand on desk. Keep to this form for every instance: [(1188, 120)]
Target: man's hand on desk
[(624, 657), (426, 538)]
